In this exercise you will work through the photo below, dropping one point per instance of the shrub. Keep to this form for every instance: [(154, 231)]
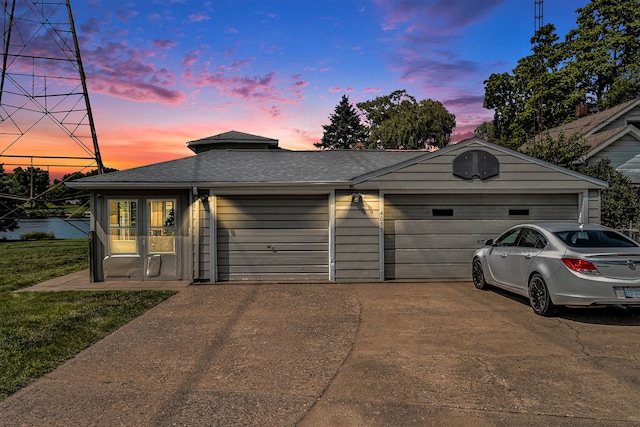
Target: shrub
[(38, 235)]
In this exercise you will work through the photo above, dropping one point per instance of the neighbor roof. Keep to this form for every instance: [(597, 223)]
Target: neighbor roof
[(590, 124)]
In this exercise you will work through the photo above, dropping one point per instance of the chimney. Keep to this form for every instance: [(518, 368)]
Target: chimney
[(581, 110)]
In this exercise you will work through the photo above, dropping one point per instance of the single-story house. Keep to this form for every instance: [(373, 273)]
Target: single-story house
[(232, 213), (613, 133)]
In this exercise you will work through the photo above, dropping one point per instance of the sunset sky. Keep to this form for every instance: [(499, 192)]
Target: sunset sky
[(164, 72)]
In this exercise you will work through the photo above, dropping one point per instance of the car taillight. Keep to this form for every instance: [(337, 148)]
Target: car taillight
[(580, 265)]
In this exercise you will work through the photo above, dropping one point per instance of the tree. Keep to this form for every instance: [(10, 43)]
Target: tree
[(620, 202), (9, 205), (536, 96), (604, 52), (598, 63), (345, 129), (398, 121), (565, 152), (29, 183)]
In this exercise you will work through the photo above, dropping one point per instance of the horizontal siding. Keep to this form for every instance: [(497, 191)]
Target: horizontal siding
[(421, 246), (357, 237), (436, 174), (620, 152), (272, 237)]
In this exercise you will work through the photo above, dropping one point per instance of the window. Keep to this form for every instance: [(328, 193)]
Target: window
[(162, 226), (442, 212), (508, 239), (122, 227), (519, 212), (531, 239)]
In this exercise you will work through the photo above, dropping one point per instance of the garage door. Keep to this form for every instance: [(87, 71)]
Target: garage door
[(434, 236), (272, 238)]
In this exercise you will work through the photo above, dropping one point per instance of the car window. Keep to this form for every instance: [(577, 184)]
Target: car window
[(531, 239), (508, 239), (595, 239)]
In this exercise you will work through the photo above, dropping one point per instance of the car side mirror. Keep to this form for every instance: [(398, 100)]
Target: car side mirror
[(488, 242)]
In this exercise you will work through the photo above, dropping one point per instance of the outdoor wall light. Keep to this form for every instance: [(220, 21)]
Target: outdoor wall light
[(356, 197)]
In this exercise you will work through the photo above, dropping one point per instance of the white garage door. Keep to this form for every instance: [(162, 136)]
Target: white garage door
[(272, 238), (434, 236)]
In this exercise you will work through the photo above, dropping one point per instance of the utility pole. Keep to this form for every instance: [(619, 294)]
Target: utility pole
[(539, 70)]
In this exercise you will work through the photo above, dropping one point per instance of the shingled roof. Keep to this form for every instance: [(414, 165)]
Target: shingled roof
[(592, 123), (232, 140), (232, 167)]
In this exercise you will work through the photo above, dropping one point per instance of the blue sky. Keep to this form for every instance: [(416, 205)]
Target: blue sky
[(163, 72)]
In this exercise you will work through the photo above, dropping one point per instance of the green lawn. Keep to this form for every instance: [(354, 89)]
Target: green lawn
[(40, 330)]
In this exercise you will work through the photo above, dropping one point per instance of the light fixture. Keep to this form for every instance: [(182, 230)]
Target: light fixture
[(356, 197)]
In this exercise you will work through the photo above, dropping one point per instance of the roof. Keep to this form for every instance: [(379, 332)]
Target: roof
[(253, 166), (282, 167), (590, 124), (232, 139)]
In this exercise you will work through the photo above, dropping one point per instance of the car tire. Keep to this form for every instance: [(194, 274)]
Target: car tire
[(477, 273), (539, 297)]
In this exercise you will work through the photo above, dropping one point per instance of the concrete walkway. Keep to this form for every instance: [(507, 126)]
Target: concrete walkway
[(383, 354), (79, 281)]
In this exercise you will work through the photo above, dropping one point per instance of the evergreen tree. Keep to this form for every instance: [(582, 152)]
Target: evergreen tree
[(345, 129)]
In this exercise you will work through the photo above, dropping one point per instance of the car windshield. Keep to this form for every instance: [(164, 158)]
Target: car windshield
[(594, 239)]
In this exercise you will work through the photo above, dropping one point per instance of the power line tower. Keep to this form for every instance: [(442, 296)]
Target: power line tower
[(538, 95), (45, 114)]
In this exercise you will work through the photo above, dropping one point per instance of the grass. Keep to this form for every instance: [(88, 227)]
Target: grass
[(40, 330)]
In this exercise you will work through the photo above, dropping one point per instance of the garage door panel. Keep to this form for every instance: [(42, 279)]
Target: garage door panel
[(421, 245), (272, 238), (438, 256), (430, 272)]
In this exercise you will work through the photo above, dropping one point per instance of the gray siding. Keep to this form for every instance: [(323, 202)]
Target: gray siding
[(201, 241), (434, 236), (594, 207), (272, 237), (357, 237), (622, 151), (516, 175)]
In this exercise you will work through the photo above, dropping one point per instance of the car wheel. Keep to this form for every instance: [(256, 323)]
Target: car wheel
[(539, 297), (478, 275)]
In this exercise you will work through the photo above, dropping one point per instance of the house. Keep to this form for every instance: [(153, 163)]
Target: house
[(613, 133), (269, 214)]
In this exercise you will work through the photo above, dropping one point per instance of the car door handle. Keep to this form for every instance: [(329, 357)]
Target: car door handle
[(503, 255), (528, 256)]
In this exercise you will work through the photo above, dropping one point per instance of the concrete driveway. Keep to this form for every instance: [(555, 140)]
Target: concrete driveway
[(389, 354)]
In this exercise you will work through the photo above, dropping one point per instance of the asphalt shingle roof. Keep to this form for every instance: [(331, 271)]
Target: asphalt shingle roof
[(259, 166)]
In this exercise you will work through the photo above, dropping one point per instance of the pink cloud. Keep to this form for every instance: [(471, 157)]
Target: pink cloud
[(199, 17), (335, 89), (372, 90), (119, 70), (190, 58), (164, 44)]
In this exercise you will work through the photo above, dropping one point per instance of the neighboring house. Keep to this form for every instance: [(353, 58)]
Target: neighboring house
[(613, 133), (350, 215)]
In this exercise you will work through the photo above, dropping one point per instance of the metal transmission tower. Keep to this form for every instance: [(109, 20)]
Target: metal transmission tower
[(538, 90), (45, 115)]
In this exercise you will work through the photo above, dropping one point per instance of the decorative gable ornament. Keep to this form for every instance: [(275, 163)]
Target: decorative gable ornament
[(476, 163)]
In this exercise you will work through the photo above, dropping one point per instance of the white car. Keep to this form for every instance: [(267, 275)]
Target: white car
[(557, 264)]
